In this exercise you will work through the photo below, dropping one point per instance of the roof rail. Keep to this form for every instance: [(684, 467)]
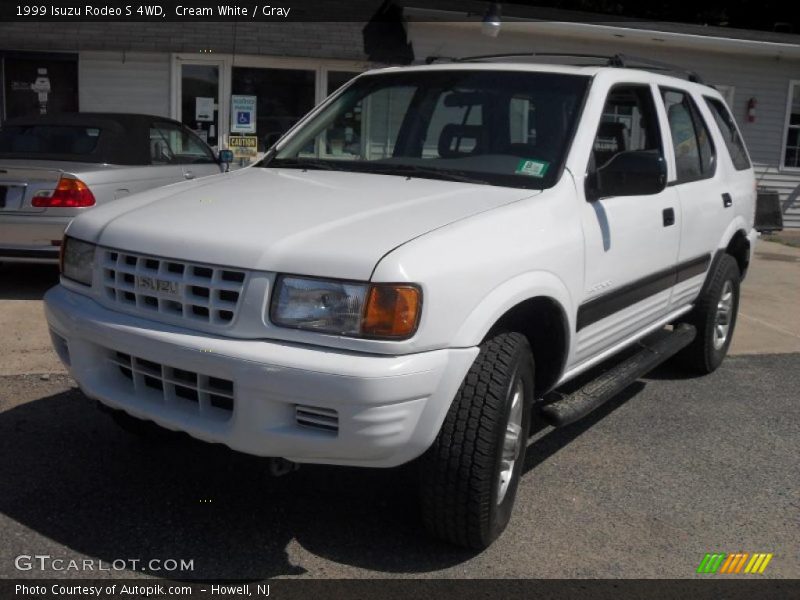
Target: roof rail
[(634, 62), (622, 61)]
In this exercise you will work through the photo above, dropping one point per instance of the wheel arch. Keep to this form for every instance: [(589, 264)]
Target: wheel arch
[(536, 305), (736, 243), (739, 248)]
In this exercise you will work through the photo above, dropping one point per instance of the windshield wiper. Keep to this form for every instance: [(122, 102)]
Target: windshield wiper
[(403, 170), (427, 172), (301, 163)]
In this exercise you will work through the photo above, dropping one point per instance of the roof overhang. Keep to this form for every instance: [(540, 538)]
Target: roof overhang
[(611, 32)]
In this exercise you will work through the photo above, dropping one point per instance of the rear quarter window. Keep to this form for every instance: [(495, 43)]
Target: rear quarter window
[(730, 133), (68, 140)]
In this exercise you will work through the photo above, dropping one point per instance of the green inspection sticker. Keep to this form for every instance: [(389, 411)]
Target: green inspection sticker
[(532, 168)]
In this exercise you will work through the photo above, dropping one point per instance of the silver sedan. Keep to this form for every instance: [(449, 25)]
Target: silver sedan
[(53, 167)]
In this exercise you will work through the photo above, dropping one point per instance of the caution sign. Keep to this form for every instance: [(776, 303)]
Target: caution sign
[(243, 146)]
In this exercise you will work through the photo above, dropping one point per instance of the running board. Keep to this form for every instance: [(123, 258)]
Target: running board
[(652, 352)]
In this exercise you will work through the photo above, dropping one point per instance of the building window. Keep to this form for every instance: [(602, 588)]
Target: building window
[(727, 92), (791, 153), (37, 83), (337, 79), (284, 96)]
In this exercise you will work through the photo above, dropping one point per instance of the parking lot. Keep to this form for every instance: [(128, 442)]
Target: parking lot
[(671, 469)]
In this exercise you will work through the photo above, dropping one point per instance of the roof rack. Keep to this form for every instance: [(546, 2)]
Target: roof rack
[(622, 61)]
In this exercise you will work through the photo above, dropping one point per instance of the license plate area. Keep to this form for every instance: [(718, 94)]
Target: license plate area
[(11, 196)]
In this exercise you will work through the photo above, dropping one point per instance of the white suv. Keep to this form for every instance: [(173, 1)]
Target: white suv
[(414, 266)]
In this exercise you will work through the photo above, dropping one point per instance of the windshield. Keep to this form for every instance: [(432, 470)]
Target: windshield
[(491, 127)]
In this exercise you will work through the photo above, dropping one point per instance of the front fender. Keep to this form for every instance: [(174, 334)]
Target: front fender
[(508, 295)]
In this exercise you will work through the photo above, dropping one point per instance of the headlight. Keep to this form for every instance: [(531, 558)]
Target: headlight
[(389, 311), (77, 260)]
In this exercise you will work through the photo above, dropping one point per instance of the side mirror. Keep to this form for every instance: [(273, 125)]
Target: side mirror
[(225, 157), (630, 173)]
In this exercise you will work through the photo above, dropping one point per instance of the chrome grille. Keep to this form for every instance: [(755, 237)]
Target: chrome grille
[(316, 417), (177, 289), (211, 396)]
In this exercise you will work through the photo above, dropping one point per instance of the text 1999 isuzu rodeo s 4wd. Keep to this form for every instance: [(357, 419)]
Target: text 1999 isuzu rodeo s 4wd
[(413, 266)]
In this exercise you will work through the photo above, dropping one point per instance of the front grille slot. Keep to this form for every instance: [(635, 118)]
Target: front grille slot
[(316, 417), (211, 396), (175, 289)]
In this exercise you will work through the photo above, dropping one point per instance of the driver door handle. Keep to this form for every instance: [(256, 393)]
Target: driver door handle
[(188, 175), (668, 214)]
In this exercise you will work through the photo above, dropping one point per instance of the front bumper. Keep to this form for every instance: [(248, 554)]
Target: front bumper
[(387, 410), (29, 238)]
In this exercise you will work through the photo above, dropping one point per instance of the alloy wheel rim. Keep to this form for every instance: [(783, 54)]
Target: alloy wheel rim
[(723, 316), (512, 440)]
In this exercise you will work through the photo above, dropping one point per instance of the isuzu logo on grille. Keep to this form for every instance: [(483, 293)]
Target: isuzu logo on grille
[(161, 286)]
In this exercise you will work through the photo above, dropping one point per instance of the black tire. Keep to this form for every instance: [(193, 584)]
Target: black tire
[(705, 353), (460, 474), (140, 428)]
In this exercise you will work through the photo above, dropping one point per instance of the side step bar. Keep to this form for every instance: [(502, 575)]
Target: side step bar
[(652, 352)]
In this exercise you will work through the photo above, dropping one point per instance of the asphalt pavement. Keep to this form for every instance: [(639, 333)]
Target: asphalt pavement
[(643, 488)]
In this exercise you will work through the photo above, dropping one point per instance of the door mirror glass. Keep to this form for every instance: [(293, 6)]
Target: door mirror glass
[(630, 173), (225, 157)]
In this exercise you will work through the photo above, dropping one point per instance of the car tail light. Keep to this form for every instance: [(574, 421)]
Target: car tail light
[(69, 193)]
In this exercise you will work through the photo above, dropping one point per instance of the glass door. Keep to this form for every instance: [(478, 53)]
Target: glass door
[(199, 99)]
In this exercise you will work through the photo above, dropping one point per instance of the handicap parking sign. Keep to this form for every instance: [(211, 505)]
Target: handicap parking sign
[(243, 114)]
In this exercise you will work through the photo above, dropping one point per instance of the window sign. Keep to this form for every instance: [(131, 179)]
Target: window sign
[(243, 114), (204, 109)]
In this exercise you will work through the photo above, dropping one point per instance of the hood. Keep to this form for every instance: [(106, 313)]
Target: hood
[(324, 223)]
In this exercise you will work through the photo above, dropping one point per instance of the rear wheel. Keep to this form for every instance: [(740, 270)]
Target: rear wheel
[(469, 476), (714, 316)]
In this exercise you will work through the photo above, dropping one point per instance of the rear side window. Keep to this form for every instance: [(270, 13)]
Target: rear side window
[(730, 134), (694, 150), (75, 141)]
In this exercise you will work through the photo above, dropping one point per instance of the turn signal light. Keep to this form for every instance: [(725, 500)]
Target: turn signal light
[(392, 311), (69, 193)]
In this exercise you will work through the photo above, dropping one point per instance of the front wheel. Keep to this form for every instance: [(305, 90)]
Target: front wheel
[(470, 474), (714, 316)]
